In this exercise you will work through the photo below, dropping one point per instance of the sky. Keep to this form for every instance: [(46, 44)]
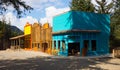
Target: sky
[(44, 11)]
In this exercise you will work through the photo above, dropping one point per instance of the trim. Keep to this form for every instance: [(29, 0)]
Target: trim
[(75, 30)]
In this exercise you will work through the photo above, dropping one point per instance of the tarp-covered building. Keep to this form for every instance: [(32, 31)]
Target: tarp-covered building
[(81, 33)]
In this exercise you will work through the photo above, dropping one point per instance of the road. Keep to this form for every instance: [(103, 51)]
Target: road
[(58, 63)]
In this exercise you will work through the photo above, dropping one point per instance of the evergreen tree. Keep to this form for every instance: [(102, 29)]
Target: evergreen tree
[(3, 37), (5, 34), (103, 6), (115, 25), (82, 5)]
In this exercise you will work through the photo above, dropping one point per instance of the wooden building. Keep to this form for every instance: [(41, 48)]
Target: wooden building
[(23, 41), (27, 38), (46, 33), (36, 37)]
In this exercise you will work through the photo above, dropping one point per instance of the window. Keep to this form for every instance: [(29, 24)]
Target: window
[(63, 45), (54, 44), (32, 45), (38, 45), (59, 44), (86, 43), (93, 45)]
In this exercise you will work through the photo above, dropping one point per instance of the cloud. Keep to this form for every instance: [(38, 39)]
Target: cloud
[(23, 21), (19, 22), (51, 12), (41, 4)]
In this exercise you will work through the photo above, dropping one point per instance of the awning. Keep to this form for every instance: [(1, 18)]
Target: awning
[(75, 30), (20, 36)]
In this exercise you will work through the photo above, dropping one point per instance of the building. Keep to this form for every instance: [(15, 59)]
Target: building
[(74, 33), (36, 37), (81, 34), (23, 41)]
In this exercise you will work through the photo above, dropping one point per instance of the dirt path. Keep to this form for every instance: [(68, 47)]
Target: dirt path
[(12, 59), (112, 64), (22, 54)]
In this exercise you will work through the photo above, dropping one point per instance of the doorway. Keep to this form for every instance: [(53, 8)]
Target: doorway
[(74, 49), (44, 47), (85, 48)]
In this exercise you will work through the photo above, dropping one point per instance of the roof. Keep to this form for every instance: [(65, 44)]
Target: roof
[(75, 11), (76, 30), (16, 37), (61, 13)]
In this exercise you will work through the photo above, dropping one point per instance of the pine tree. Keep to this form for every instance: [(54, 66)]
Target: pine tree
[(103, 7), (5, 34), (115, 25), (82, 5)]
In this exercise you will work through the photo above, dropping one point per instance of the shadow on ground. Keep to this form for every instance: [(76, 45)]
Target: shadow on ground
[(49, 63)]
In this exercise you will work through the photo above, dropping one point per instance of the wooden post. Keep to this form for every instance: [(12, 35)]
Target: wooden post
[(113, 53), (11, 45), (19, 45), (15, 44), (30, 42), (11, 42)]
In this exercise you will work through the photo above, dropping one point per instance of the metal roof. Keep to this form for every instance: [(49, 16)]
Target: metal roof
[(75, 30), (20, 36)]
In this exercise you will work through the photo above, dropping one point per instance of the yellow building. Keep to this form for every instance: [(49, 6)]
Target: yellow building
[(27, 29), (27, 39)]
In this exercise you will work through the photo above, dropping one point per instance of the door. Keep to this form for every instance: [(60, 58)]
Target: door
[(74, 49), (85, 48)]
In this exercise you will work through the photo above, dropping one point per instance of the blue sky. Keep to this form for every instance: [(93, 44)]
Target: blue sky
[(44, 10), (46, 4)]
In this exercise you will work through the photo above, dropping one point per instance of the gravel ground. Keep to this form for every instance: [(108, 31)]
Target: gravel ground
[(112, 64), (20, 54), (31, 60)]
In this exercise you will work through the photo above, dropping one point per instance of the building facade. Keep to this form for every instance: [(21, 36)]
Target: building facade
[(36, 37), (81, 34)]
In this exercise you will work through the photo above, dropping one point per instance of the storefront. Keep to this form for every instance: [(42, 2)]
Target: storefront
[(81, 34)]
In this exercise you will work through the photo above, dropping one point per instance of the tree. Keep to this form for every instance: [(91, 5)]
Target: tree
[(115, 25), (113, 9), (116, 10), (82, 5), (19, 6), (103, 6), (4, 35), (115, 18), (7, 31)]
